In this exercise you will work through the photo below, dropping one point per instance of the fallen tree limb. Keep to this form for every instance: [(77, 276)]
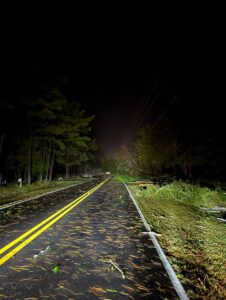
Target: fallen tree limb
[(155, 233), (222, 220)]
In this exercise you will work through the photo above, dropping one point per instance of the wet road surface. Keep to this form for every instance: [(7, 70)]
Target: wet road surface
[(96, 251)]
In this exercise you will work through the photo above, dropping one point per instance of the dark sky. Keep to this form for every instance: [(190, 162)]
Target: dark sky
[(110, 63)]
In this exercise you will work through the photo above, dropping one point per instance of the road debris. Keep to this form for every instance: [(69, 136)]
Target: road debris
[(41, 252), (222, 220), (152, 232), (56, 269), (117, 267)]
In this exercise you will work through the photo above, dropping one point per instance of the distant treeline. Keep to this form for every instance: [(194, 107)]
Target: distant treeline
[(173, 151), (43, 135)]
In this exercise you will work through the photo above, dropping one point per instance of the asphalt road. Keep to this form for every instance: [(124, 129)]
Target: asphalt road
[(95, 251)]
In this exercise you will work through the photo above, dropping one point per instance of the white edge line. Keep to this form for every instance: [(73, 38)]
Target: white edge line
[(36, 197), (172, 275)]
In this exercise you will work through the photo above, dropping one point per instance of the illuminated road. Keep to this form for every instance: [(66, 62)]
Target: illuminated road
[(89, 248)]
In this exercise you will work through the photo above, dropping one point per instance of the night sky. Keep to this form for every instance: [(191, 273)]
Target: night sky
[(111, 64)]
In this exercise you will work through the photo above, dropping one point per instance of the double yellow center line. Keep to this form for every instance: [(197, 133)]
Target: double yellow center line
[(44, 225)]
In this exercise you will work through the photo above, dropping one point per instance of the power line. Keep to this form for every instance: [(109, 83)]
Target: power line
[(140, 121), (145, 103), (148, 110), (140, 111), (141, 104)]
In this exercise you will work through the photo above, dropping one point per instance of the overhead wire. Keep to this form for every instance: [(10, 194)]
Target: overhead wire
[(141, 109), (140, 121), (143, 103)]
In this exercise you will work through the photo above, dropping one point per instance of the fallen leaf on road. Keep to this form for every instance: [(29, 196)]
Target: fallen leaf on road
[(56, 269), (97, 291)]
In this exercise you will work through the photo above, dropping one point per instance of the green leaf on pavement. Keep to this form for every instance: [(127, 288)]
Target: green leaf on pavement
[(56, 269)]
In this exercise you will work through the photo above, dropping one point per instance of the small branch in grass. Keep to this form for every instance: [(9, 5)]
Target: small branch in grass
[(154, 233), (222, 220)]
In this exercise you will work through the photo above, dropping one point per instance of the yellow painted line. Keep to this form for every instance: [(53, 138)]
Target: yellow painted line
[(8, 246), (14, 242), (27, 233), (31, 238)]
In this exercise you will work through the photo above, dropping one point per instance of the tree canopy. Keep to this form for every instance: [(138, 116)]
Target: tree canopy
[(49, 130)]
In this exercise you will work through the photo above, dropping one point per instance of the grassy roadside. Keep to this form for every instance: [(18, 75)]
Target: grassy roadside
[(194, 241), (14, 193), (124, 178)]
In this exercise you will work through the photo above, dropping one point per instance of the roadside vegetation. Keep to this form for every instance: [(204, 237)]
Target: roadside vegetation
[(193, 238), (125, 178), (52, 136), (12, 192)]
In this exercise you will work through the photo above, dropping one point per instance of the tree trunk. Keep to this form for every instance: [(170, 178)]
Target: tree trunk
[(29, 173), (67, 170), (42, 159), (1, 143), (186, 170), (51, 166), (41, 162), (2, 137), (48, 162), (67, 166)]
